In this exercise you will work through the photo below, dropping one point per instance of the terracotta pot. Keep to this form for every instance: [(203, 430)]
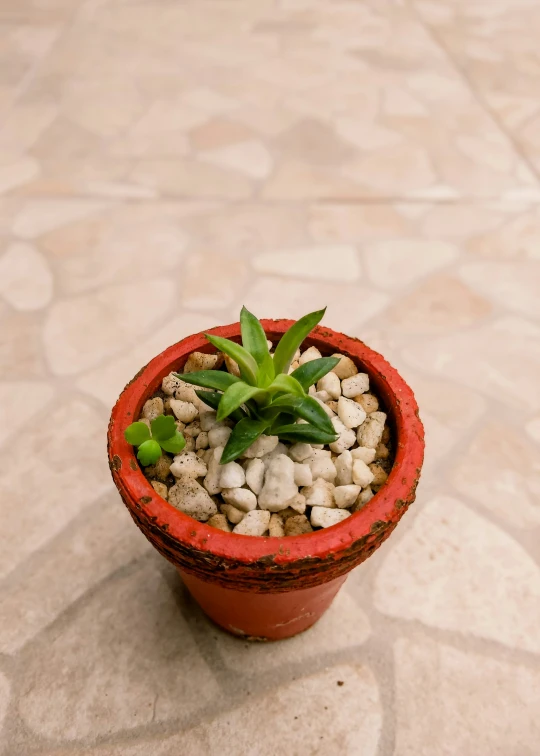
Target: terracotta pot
[(262, 587)]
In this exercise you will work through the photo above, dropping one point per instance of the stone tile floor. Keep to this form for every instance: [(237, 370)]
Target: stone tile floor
[(163, 162)]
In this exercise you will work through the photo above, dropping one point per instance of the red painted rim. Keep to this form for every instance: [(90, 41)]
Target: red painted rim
[(386, 506)]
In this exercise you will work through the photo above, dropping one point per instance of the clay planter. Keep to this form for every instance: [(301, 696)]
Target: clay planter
[(261, 587)]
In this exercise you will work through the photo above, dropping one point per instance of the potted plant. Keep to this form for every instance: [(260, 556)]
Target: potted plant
[(265, 477)]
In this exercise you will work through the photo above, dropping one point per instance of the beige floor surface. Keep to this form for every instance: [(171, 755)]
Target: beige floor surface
[(163, 162)]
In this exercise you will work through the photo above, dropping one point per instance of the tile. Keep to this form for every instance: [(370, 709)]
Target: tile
[(324, 263), (19, 402), (394, 263), (26, 282), (5, 688), (138, 666), (512, 285), (442, 706), (454, 570), (250, 158), (17, 173), (211, 280)]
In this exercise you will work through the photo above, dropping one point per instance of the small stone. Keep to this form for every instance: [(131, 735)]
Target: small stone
[(344, 464), (159, 471), (278, 449), (350, 412), (362, 475), (207, 420), (202, 440), (323, 467), (186, 393), (310, 354), (219, 436), (300, 452), (220, 522), (190, 444), (345, 367), (255, 474), (368, 402), (322, 517), (276, 527), (211, 481), (170, 383), (190, 497), (320, 494), (146, 421), (347, 436), (153, 408), (380, 476), (370, 432), (232, 366), (192, 430), (345, 496), (199, 361), (254, 523), (294, 364), (325, 405), (331, 384), (363, 498), (365, 453), (184, 411), (233, 514), (232, 475), (279, 485), (160, 488), (322, 396), (241, 498), (298, 525), (382, 451), (385, 438), (332, 405), (298, 503), (302, 474), (355, 385), (263, 445), (188, 465)]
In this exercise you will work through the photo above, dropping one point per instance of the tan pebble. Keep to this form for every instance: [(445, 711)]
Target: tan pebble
[(153, 408), (380, 476), (345, 367), (193, 429), (382, 451), (232, 366), (385, 438), (368, 402), (160, 488), (161, 469), (276, 528), (363, 498), (297, 525), (200, 361), (233, 514), (220, 522), (298, 503), (333, 405), (190, 444), (202, 441), (286, 513)]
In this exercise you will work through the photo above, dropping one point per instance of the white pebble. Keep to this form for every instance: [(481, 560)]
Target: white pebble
[(200, 361), (153, 408), (320, 494), (345, 496), (211, 481), (346, 439), (302, 474), (233, 514), (255, 523), (356, 384), (278, 449), (371, 430), (184, 411), (329, 411), (365, 453), (361, 473), (241, 498), (322, 396), (279, 485), (202, 440), (170, 383), (232, 475), (363, 498), (207, 420), (323, 467), (322, 517), (344, 464), (186, 392), (299, 452), (345, 367), (188, 465), (190, 497), (350, 412), (219, 436), (263, 445), (255, 475), (310, 354), (331, 384), (298, 503)]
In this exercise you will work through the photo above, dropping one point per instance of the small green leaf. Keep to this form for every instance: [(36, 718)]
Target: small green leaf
[(286, 383), (312, 371), (137, 433), (163, 427), (212, 379), (212, 399), (265, 373), (244, 434), (234, 397), (174, 444), (245, 361), (253, 336), (149, 453), (308, 409), (291, 340), (304, 432)]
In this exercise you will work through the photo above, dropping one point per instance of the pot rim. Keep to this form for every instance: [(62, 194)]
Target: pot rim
[(395, 495)]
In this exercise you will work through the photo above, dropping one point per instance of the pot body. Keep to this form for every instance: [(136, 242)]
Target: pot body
[(263, 587), (262, 616)]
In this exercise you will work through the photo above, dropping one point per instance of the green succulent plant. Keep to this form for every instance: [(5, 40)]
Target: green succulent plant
[(266, 399), (163, 435)]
